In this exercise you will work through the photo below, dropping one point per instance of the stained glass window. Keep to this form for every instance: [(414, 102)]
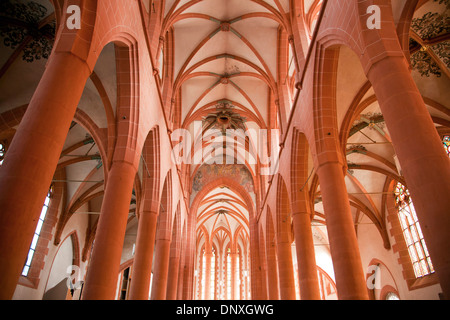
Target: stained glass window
[(446, 142), (37, 232), (2, 153), (412, 232)]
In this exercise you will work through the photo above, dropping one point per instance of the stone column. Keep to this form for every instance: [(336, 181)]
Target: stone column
[(143, 258), (189, 259), (258, 288), (286, 271), (31, 160), (161, 269), (304, 244), (174, 267), (103, 270), (350, 279), (207, 287), (181, 277), (234, 275), (241, 278), (272, 273), (423, 161)]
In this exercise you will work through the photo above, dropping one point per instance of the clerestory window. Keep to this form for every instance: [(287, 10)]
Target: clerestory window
[(412, 232), (37, 232)]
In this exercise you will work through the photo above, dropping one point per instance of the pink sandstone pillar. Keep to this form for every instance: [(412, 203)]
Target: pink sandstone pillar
[(424, 163), (258, 288), (174, 267), (207, 275), (241, 278), (350, 279), (161, 269), (272, 274), (306, 259), (304, 244), (103, 270), (286, 271), (143, 259), (180, 277), (234, 275), (189, 259), (31, 160)]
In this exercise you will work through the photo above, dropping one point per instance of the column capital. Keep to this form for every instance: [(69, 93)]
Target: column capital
[(372, 64), (80, 62), (124, 163), (326, 164), (208, 248)]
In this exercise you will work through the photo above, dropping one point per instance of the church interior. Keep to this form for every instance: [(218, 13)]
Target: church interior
[(224, 150)]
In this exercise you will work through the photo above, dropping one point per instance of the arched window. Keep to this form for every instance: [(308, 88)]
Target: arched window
[(412, 232), (392, 296), (37, 232)]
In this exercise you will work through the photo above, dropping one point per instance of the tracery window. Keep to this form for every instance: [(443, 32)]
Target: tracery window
[(37, 232), (412, 232)]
